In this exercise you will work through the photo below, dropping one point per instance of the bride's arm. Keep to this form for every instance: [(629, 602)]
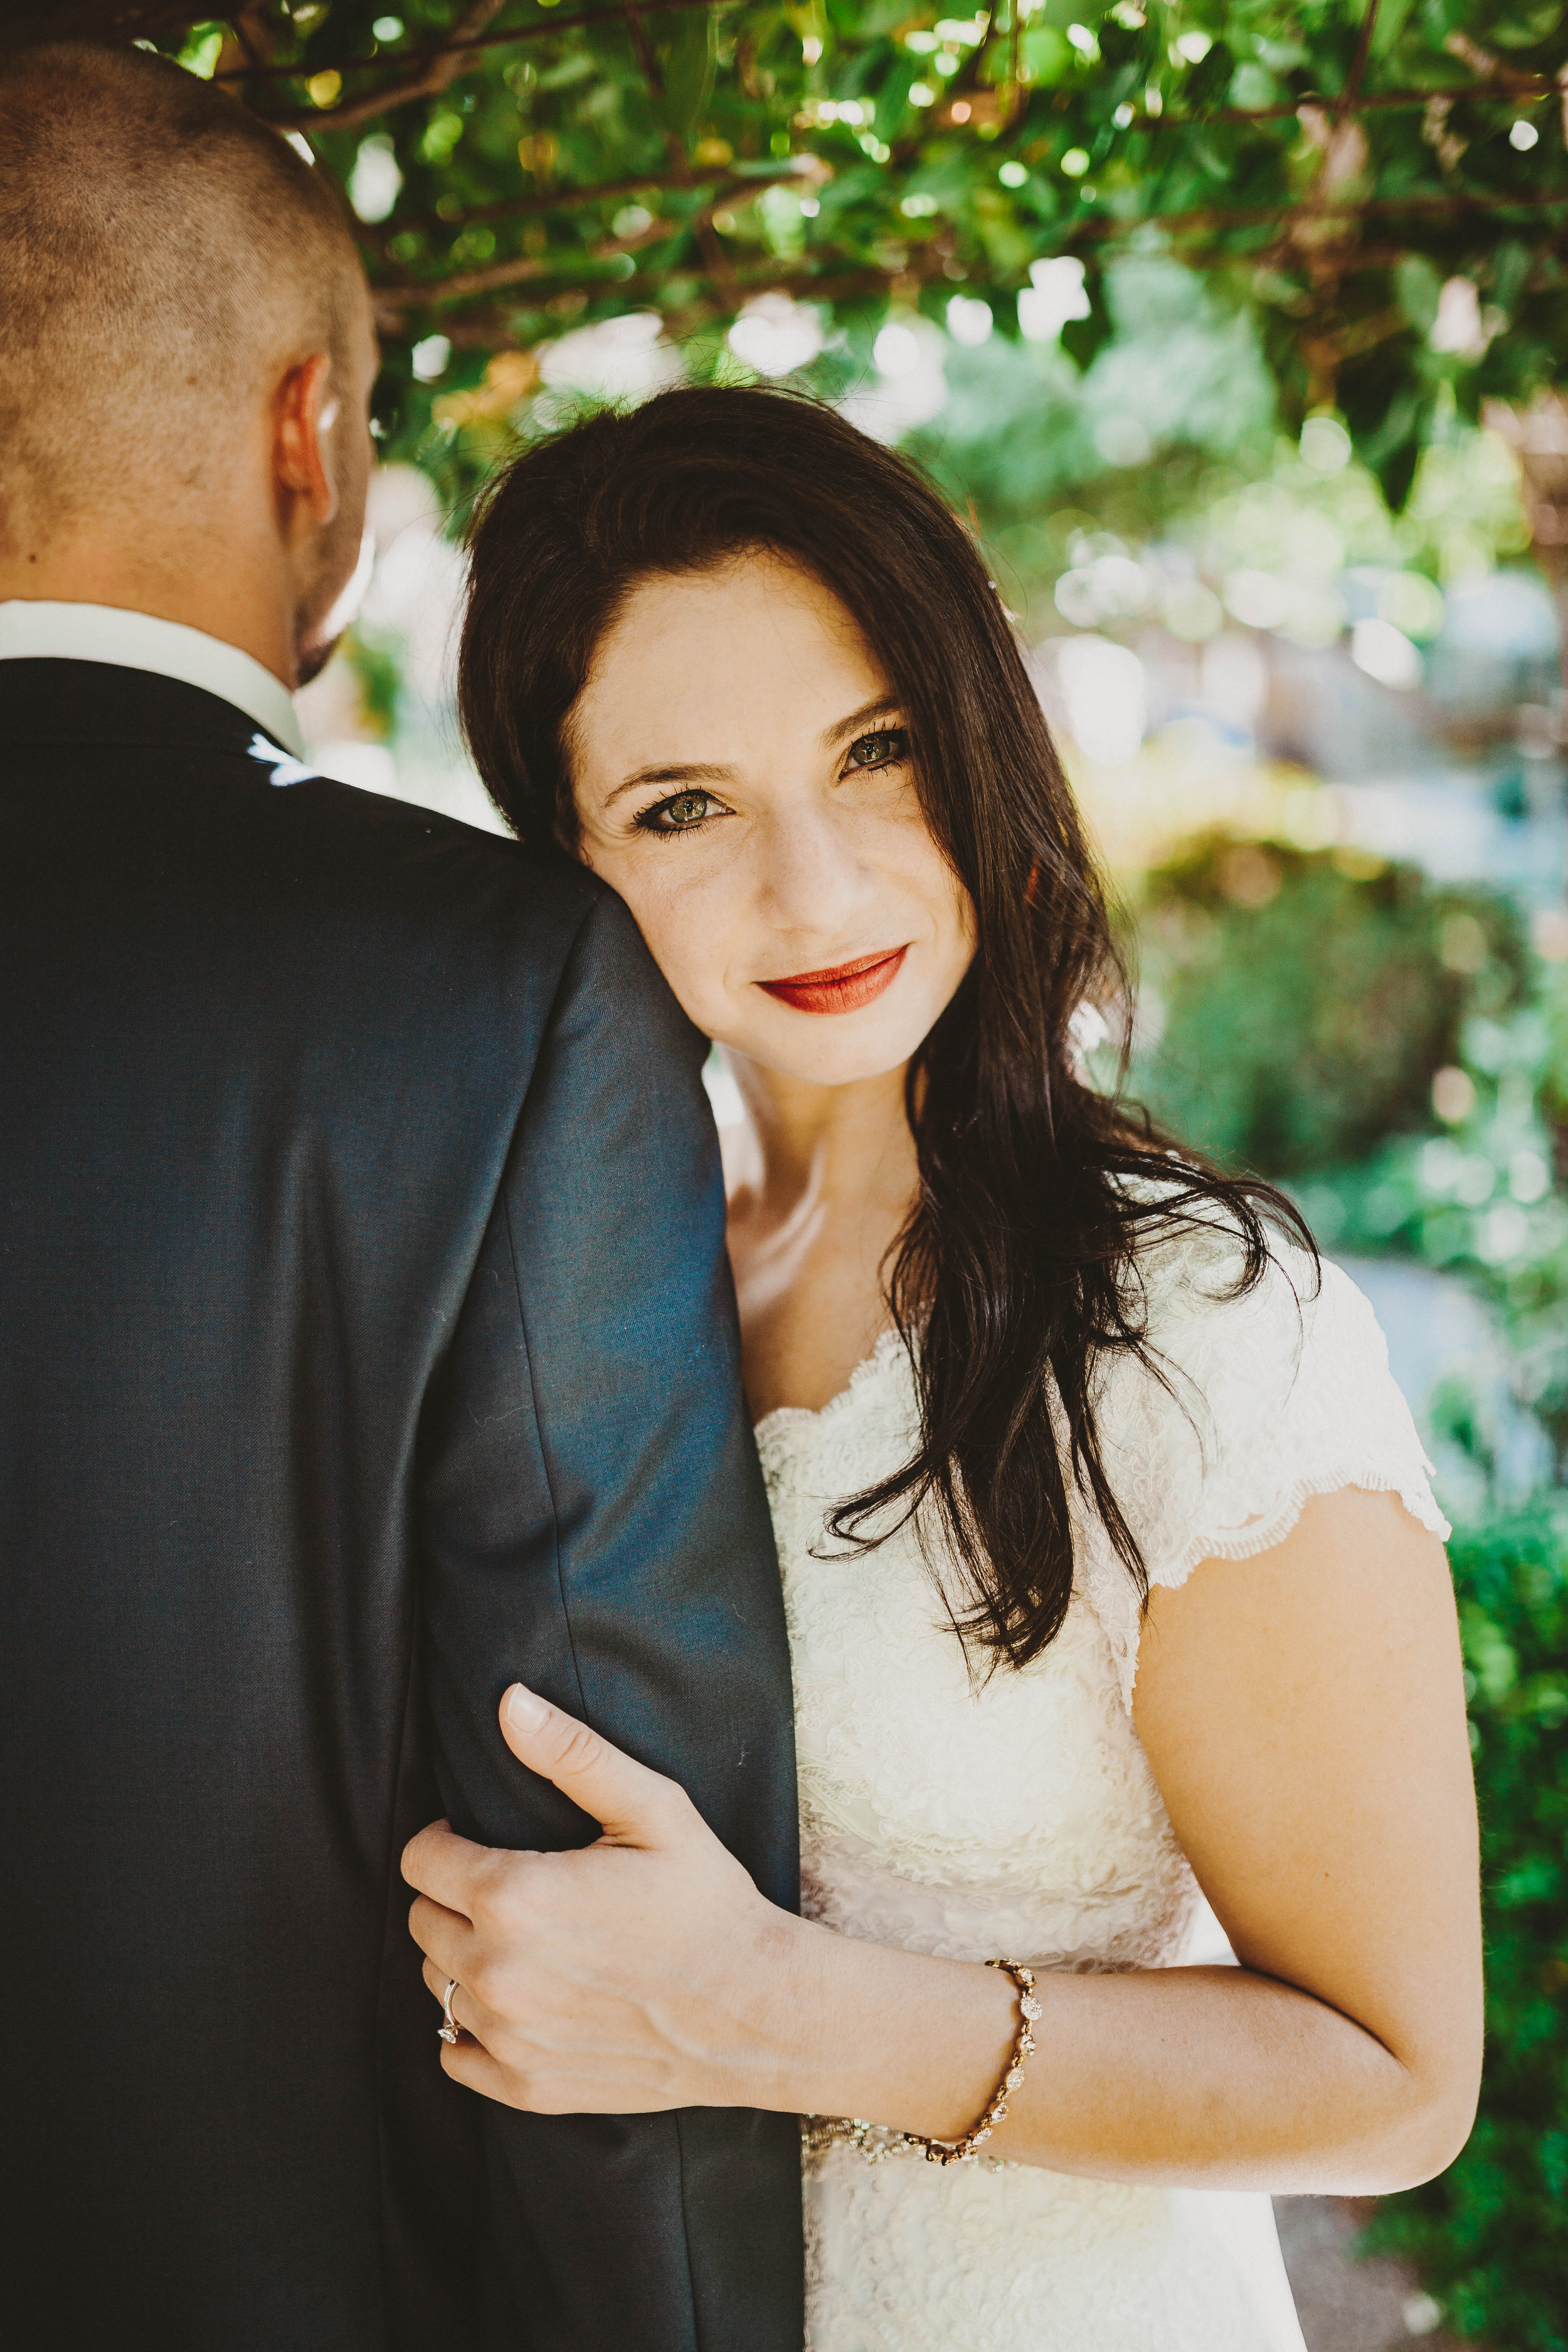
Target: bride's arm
[(1304, 1716)]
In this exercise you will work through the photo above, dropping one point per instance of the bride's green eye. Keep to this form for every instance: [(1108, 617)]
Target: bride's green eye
[(683, 813), (885, 748)]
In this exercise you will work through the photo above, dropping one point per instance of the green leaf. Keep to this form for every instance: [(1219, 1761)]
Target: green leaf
[(1419, 287), (687, 47)]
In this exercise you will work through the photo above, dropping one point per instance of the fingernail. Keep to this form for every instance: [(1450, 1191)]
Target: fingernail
[(522, 1709)]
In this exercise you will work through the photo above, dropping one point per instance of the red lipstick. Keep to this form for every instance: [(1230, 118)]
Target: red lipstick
[(845, 989)]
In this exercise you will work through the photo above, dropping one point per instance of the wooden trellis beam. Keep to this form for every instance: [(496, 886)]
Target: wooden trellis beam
[(572, 199), (396, 302), (460, 46)]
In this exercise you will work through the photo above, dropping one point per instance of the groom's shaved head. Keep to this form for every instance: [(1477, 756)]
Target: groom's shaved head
[(164, 259)]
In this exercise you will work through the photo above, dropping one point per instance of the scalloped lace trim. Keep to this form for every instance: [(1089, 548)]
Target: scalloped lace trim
[(1263, 1534), (1109, 1589)]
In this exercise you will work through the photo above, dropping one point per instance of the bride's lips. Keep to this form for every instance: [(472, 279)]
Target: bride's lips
[(845, 989)]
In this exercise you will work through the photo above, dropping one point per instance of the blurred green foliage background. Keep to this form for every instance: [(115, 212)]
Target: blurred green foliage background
[(1399, 1055)]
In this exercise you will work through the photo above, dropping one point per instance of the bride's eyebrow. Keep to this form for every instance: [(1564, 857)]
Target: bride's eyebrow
[(886, 706), (690, 775)]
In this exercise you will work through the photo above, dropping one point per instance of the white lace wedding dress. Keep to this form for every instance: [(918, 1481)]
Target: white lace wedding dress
[(1022, 1818)]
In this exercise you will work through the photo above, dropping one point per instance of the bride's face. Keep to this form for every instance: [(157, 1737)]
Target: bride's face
[(742, 779)]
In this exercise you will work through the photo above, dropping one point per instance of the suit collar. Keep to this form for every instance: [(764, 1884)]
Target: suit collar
[(54, 703), (104, 636)]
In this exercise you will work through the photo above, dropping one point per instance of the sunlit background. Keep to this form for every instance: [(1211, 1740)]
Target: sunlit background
[(1321, 746)]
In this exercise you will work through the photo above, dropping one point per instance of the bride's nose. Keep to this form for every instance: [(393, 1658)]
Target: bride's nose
[(812, 874)]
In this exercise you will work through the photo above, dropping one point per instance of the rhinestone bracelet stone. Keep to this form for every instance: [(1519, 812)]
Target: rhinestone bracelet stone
[(875, 2143)]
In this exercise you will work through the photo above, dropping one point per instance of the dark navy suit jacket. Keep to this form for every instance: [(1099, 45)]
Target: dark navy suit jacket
[(367, 1343)]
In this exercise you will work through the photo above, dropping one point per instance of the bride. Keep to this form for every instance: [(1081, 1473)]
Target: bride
[(1113, 1576)]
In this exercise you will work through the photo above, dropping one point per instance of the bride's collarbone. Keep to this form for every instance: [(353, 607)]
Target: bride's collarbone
[(811, 1296), (801, 1349)]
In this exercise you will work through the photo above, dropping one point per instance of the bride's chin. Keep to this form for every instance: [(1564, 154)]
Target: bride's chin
[(826, 1060)]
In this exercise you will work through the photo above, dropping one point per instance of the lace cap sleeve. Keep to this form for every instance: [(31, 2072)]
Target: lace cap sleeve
[(1266, 1399)]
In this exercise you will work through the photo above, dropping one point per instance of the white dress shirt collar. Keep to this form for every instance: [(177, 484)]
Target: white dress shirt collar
[(105, 633)]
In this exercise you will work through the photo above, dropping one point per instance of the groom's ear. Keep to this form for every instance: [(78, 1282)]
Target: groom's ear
[(305, 409)]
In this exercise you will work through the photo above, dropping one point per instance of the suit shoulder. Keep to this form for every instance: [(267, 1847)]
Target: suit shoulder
[(367, 844), (486, 869)]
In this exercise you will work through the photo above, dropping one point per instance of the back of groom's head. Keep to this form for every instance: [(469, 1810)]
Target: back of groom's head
[(164, 256)]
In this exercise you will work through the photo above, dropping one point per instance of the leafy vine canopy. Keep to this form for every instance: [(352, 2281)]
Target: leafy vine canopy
[(1379, 185)]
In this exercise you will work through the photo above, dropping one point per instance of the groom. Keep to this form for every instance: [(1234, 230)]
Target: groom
[(368, 1345)]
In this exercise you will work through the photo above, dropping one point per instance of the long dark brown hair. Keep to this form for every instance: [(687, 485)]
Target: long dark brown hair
[(1017, 1269)]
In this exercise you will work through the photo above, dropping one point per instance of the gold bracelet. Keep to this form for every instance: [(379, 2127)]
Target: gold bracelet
[(823, 2131)]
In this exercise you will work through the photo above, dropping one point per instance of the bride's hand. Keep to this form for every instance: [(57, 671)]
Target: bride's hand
[(645, 1971)]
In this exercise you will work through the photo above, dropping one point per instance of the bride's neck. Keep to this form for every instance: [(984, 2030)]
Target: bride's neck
[(845, 1145)]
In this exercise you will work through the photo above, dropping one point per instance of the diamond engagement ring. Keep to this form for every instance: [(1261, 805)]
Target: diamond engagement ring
[(448, 2029)]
